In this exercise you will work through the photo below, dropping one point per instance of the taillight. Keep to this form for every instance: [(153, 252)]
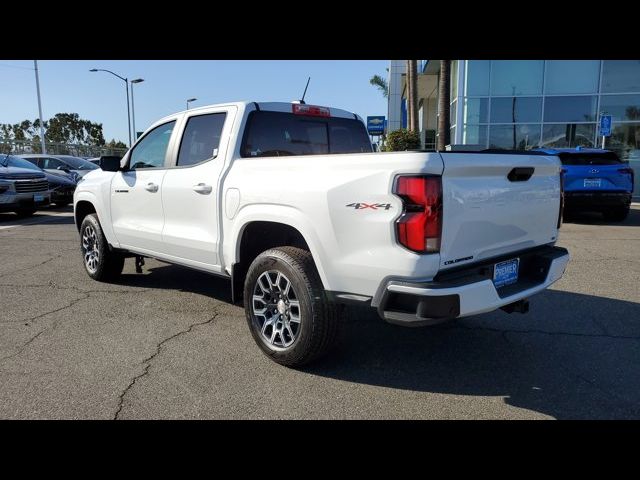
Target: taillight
[(629, 171), (310, 110), (420, 226)]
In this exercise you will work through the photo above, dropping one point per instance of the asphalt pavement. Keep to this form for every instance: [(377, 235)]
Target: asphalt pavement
[(168, 343)]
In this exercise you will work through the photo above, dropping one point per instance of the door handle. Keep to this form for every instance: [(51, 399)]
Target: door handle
[(151, 187), (202, 188), (520, 174)]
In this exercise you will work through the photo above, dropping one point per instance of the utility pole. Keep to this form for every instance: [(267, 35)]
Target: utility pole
[(44, 150)]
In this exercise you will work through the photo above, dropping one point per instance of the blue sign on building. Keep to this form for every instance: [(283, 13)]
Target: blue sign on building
[(605, 125), (375, 125)]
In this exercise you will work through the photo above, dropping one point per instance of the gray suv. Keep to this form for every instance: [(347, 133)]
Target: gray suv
[(22, 191), (75, 166)]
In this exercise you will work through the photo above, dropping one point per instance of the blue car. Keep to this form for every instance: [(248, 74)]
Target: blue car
[(595, 180)]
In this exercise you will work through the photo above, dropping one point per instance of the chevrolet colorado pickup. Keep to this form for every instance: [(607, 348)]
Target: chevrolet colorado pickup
[(289, 202)]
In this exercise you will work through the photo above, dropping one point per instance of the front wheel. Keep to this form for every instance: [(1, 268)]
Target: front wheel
[(288, 313), (100, 263)]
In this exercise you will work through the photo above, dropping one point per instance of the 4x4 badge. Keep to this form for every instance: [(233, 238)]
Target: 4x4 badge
[(372, 206)]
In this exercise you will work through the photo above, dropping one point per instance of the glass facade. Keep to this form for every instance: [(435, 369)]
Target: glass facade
[(524, 104)]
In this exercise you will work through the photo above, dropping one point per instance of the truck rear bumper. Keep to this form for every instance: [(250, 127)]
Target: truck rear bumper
[(468, 291)]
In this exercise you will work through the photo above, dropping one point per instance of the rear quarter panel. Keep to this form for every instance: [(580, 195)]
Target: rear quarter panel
[(354, 248)]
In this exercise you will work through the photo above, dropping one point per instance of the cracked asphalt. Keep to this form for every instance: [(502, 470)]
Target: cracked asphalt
[(168, 344)]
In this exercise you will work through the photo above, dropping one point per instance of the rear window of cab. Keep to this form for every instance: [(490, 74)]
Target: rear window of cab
[(275, 134)]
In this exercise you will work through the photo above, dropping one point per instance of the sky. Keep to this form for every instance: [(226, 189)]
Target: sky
[(68, 87)]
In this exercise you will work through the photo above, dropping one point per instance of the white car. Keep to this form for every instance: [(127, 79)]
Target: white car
[(289, 203)]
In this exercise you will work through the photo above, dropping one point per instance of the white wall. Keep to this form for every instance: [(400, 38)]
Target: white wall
[(394, 114)]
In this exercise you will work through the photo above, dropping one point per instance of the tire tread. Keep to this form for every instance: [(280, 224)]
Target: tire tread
[(325, 320)]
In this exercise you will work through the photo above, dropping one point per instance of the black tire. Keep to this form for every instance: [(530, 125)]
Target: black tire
[(616, 214), (317, 317), (25, 212), (108, 265)]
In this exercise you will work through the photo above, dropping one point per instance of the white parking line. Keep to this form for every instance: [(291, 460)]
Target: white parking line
[(48, 217)]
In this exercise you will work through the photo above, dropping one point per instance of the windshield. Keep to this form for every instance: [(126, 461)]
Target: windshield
[(78, 163), (274, 134), (22, 163), (605, 158)]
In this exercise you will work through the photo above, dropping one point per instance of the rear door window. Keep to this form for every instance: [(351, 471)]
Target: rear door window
[(274, 134), (201, 137)]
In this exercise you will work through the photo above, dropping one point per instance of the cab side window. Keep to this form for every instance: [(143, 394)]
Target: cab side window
[(201, 137), (151, 151)]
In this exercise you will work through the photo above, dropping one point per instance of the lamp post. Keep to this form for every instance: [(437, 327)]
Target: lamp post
[(42, 144), (126, 86), (189, 101), (133, 108)]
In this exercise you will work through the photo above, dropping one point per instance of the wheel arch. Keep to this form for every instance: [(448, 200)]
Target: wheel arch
[(256, 235), (81, 209)]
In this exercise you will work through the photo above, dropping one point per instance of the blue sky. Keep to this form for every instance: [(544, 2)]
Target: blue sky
[(68, 86)]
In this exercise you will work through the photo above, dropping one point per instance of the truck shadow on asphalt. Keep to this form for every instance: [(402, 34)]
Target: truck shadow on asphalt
[(576, 357), (595, 218), (174, 277), (573, 356)]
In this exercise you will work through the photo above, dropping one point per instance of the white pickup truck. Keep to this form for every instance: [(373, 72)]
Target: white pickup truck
[(289, 202)]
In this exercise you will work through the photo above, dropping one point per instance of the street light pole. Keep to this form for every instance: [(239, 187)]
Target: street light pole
[(189, 101), (133, 108), (126, 86), (44, 150)]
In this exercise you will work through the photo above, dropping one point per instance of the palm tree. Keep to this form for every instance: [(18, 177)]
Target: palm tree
[(443, 104), (381, 83), (412, 95)]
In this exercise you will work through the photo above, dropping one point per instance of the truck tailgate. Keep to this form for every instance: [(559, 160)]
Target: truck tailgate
[(490, 209)]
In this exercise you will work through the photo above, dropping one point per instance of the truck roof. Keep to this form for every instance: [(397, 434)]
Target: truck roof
[(271, 107)]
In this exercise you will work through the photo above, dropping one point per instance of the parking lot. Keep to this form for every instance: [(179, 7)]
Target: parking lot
[(168, 344)]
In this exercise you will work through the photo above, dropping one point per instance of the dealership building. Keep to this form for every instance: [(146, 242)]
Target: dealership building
[(524, 104)]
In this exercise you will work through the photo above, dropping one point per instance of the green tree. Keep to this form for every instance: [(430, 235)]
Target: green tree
[(61, 128), (401, 140), (115, 144)]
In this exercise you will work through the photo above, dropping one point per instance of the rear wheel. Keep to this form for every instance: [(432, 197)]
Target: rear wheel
[(288, 313), (100, 263), (616, 214)]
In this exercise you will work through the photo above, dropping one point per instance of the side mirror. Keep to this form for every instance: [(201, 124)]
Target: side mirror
[(110, 163)]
